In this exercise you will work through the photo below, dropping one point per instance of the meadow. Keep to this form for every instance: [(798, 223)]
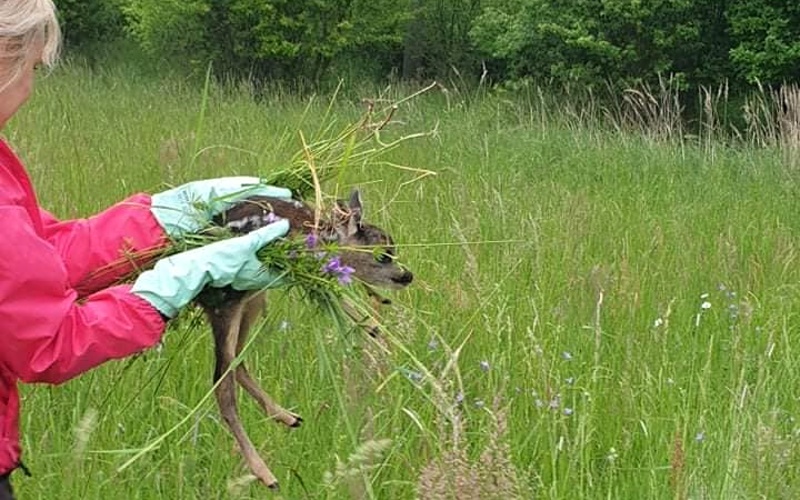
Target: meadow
[(599, 311)]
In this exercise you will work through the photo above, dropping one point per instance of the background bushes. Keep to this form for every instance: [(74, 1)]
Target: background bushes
[(586, 42)]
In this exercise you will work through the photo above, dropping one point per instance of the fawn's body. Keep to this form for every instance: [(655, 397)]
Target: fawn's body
[(232, 312)]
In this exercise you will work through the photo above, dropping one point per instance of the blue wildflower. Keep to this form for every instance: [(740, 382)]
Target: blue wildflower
[(412, 375)]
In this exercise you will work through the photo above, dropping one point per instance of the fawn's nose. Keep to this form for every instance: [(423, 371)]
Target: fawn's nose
[(404, 278)]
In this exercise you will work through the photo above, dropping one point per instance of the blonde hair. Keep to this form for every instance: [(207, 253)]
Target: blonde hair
[(24, 24)]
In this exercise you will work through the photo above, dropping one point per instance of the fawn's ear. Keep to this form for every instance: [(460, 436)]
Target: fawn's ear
[(356, 211), (348, 216)]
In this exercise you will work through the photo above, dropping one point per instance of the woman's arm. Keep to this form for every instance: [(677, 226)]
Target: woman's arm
[(99, 250), (46, 334)]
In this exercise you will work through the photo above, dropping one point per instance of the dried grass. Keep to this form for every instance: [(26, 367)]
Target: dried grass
[(453, 476), (652, 113), (773, 120)]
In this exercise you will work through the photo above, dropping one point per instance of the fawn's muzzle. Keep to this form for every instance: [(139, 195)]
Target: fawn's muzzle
[(405, 278)]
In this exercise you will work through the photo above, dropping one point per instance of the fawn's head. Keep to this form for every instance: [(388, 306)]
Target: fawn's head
[(368, 249), (364, 247)]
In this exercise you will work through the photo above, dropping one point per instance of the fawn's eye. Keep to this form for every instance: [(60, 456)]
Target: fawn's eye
[(384, 258)]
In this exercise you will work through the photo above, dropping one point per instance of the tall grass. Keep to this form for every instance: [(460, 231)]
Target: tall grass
[(635, 339)]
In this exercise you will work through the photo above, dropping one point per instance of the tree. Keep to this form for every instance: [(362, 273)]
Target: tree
[(766, 40), (598, 41), (267, 39), (87, 22), (437, 39)]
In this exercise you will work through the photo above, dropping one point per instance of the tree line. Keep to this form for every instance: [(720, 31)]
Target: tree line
[(581, 42)]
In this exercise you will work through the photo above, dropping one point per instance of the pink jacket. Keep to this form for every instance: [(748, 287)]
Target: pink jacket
[(58, 316)]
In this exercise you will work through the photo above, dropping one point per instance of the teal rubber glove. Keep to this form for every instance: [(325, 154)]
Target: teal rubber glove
[(190, 207), (176, 280)]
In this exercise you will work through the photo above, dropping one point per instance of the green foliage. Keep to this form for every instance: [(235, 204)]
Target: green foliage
[(767, 40), (595, 41), (585, 42), (437, 40), (263, 40), (171, 27), (86, 22)]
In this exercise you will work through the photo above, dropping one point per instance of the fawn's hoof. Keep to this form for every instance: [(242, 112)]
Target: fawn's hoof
[(298, 420), (274, 486)]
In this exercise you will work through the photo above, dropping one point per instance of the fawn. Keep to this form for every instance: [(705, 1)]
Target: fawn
[(231, 312)]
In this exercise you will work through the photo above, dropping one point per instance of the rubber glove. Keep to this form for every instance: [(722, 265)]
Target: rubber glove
[(190, 207), (176, 280)]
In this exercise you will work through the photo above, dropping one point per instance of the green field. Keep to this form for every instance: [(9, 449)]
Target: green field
[(596, 314)]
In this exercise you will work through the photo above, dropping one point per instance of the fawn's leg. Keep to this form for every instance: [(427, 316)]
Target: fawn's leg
[(225, 325), (252, 310)]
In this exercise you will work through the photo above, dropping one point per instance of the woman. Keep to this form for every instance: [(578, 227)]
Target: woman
[(60, 314)]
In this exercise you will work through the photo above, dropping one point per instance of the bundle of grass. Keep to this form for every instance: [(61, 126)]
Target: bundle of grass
[(324, 163)]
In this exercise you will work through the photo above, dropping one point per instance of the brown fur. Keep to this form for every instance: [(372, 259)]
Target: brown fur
[(231, 312)]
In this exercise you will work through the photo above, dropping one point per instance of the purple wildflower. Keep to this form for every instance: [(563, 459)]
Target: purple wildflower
[(311, 240), (342, 272), (332, 266), (345, 275)]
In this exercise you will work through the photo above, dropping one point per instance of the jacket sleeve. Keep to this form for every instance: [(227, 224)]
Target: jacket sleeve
[(100, 250), (47, 334)]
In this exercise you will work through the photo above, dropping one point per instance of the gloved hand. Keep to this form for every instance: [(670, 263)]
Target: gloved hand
[(176, 280), (190, 207)]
